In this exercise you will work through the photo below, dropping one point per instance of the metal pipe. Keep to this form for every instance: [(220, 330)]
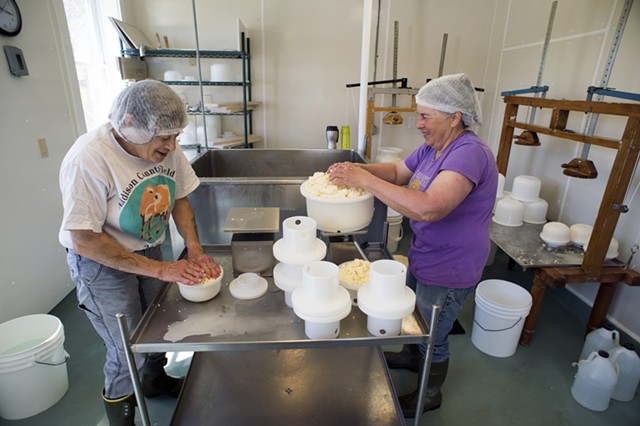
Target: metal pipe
[(375, 58), (364, 72), (198, 62), (426, 367), (545, 47), (443, 52), (133, 370), (606, 74)]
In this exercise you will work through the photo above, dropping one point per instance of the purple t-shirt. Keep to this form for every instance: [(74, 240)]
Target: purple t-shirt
[(453, 251)]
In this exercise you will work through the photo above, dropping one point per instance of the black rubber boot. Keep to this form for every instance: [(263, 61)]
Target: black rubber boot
[(120, 411), (409, 358), (433, 394), (155, 380)]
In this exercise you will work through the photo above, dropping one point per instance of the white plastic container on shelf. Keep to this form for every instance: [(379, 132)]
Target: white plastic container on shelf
[(627, 361), (605, 338), (526, 188), (395, 229), (594, 382), (501, 182), (389, 154)]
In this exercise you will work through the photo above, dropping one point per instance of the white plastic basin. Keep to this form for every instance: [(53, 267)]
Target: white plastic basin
[(339, 214)]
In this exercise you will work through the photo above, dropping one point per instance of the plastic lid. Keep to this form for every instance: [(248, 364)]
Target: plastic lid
[(248, 286), (603, 354)]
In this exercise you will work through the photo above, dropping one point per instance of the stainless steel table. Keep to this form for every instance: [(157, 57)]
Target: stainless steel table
[(524, 245), (266, 326), (557, 267)]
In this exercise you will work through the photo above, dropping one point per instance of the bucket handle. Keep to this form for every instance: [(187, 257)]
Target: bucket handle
[(502, 329), (400, 235), (66, 358)]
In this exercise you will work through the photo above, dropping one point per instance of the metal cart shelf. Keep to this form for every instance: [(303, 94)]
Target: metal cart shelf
[(268, 332)]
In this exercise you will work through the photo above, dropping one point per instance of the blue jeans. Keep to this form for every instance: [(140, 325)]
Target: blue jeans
[(102, 293), (450, 301)]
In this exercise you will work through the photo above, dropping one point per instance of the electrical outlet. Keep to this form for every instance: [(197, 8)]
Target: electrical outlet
[(44, 151)]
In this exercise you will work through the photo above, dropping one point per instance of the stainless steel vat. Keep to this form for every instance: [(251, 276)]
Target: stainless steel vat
[(262, 178)]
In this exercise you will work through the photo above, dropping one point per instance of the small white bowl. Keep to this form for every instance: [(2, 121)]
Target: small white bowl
[(526, 188), (509, 212), (612, 251), (500, 190), (535, 212), (555, 234), (580, 234), (354, 287), (202, 292)]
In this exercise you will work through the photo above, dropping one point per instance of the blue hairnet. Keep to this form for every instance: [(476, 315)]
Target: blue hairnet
[(147, 109), (451, 93)]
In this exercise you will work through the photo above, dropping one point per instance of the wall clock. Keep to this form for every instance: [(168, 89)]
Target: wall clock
[(10, 18)]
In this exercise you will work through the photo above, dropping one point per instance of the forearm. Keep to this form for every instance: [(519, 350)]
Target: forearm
[(411, 204), (384, 171), (186, 224), (103, 249)]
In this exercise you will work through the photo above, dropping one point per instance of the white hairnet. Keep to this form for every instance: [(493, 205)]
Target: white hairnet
[(147, 109), (451, 93)]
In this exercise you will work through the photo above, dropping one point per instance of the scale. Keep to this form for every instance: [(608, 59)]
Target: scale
[(254, 230)]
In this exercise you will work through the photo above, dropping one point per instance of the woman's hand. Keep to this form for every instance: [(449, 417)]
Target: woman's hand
[(350, 174), (210, 266), (184, 271)]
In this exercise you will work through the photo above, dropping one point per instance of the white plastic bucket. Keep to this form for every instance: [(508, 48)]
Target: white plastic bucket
[(33, 368), (394, 234), (501, 309)]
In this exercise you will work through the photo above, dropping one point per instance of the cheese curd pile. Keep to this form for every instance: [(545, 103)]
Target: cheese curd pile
[(355, 272), (319, 185)]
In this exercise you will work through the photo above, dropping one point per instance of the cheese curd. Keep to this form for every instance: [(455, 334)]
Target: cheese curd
[(355, 272), (319, 185)]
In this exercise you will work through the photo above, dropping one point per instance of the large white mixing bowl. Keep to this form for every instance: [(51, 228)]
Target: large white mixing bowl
[(339, 214)]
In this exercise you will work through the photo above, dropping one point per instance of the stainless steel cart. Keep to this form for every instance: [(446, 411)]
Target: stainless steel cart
[(254, 365)]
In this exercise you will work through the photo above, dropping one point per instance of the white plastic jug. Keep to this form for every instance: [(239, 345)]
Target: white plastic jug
[(605, 338), (594, 382), (628, 363)]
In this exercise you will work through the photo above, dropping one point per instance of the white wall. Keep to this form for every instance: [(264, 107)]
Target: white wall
[(33, 272), (303, 55)]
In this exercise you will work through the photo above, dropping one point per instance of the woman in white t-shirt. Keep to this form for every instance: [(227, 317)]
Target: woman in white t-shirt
[(120, 184)]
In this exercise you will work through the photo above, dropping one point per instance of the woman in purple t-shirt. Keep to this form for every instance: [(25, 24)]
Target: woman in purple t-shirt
[(447, 189)]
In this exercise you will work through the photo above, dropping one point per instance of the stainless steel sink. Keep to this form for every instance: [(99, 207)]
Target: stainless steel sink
[(262, 178), (269, 163)]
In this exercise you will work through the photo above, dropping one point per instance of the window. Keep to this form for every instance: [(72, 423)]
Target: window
[(95, 48)]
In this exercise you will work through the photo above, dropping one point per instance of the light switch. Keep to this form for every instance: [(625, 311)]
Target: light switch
[(44, 151)]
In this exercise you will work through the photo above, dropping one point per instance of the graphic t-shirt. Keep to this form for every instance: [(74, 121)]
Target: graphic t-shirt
[(452, 251), (106, 189)]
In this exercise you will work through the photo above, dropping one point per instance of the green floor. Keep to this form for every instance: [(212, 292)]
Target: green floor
[(532, 387)]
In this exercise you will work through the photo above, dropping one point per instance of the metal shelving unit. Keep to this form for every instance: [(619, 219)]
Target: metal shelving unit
[(244, 55)]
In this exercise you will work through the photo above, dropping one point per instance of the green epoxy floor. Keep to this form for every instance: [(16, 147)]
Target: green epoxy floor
[(532, 387)]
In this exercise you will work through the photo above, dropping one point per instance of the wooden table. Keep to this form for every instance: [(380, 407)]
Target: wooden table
[(555, 268), (592, 266)]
